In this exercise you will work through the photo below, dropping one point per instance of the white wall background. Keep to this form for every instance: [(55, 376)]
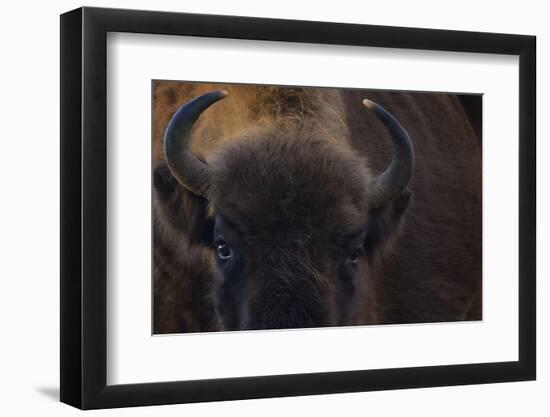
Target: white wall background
[(29, 226)]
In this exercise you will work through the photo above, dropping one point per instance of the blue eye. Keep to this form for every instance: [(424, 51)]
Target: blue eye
[(224, 251)]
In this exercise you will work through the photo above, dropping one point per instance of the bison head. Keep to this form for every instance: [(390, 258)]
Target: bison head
[(296, 219)]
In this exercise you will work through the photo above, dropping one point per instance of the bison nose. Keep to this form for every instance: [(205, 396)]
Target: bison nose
[(288, 314)]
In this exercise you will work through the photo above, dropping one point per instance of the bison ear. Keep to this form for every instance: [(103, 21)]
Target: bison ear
[(385, 222), (163, 181), (180, 210)]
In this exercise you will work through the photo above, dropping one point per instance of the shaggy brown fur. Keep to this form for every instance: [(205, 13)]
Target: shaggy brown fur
[(292, 169)]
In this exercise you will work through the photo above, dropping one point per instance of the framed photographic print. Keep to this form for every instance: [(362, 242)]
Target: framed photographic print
[(258, 208)]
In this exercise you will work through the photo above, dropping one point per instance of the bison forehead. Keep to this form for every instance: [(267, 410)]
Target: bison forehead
[(275, 184)]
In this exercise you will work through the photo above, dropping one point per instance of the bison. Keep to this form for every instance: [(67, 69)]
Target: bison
[(286, 207)]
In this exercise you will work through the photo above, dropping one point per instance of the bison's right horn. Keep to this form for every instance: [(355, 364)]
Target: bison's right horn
[(189, 170), (397, 176)]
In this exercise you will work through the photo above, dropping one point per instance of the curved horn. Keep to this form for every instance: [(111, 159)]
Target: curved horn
[(189, 170), (397, 176)]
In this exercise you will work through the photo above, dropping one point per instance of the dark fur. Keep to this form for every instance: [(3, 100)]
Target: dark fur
[(291, 176)]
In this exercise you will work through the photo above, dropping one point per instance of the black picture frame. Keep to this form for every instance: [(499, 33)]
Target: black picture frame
[(84, 197)]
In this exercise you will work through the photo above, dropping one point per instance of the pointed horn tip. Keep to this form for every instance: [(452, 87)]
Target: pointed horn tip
[(371, 105), (223, 93)]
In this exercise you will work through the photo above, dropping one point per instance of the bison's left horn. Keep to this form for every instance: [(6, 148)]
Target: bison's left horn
[(189, 170), (396, 177)]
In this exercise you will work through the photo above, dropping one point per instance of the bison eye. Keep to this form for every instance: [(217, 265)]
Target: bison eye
[(224, 251), (354, 257)]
